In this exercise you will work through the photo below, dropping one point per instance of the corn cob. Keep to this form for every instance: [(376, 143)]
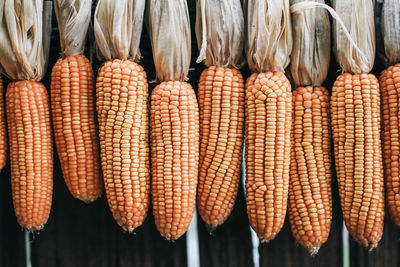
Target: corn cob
[(389, 52), (268, 123), (3, 130), (73, 113), (174, 156), (31, 152), (390, 84), (221, 101), (355, 107), (122, 106), (310, 196)]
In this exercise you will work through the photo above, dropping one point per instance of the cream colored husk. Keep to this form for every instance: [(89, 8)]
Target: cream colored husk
[(269, 35), (169, 30), (25, 27), (220, 33), (310, 58), (118, 27), (358, 18), (73, 18), (390, 29)]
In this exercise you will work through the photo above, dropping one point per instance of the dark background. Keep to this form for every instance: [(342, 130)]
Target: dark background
[(78, 234)]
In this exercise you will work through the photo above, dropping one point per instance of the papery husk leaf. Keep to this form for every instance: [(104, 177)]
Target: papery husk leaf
[(118, 28), (25, 27), (358, 18), (269, 35), (220, 33), (73, 18), (310, 58), (169, 31)]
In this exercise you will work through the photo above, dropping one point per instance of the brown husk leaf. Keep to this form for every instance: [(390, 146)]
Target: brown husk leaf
[(358, 18), (269, 35), (310, 58), (25, 28), (390, 31), (118, 27), (220, 33), (73, 18), (169, 31)]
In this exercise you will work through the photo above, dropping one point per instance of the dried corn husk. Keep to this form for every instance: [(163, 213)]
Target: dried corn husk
[(73, 18), (310, 58), (390, 31), (25, 27), (220, 33), (269, 35), (358, 18), (118, 27), (169, 30)]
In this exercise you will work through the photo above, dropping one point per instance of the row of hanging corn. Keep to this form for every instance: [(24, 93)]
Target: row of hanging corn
[(194, 146)]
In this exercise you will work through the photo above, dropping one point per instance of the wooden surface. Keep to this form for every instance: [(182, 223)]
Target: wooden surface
[(230, 245), (78, 234), (12, 242), (283, 251), (385, 255)]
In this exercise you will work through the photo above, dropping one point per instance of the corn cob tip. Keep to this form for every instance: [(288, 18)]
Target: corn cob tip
[(33, 228), (371, 246), (211, 228), (90, 199), (313, 251), (265, 240), (128, 228)]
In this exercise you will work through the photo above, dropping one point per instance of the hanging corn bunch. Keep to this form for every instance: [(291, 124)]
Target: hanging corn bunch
[(122, 106), (356, 127), (174, 120), (390, 89), (310, 196), (268, 115), (221, 104), (73, 103), (25, 34), (3, 130)]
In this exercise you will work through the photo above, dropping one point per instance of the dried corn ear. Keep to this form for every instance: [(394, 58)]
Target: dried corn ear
[(3, 130), (310, 194), (221, 103), (268, 123), (174, 156), (122, 107), (31, 152), (73, 112), (355, 106), (390, 85)]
